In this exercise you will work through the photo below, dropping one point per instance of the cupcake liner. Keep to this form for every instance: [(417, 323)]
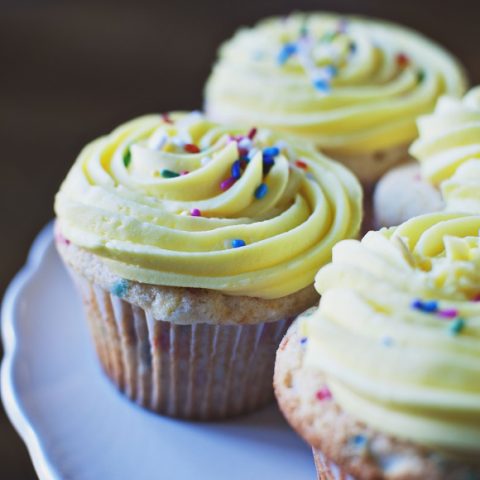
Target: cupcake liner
[(327, 470), (198, 371)]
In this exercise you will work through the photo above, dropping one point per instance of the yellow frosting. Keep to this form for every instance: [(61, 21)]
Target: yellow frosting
[(279, 74), (408, 369), (120, 201), (448, 137), (462, 191)]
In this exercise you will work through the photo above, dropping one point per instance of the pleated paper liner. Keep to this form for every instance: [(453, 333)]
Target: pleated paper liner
[(327, 470), (198, 371)]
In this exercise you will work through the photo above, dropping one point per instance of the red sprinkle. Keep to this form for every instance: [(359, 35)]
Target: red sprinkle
[(324, 394), (191, 148), (195, 212), (226, 184), (476, 298), (301, 164), (166, 118), (184, 172), (252, 133), (243, 152), (61, 239), (402, 60)]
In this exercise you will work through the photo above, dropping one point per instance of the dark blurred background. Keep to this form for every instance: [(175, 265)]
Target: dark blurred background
[(70, 71)]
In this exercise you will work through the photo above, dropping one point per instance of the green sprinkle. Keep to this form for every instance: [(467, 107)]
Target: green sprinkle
[(328, 37), (304, 27), (420, 76), (169, 173), (127, 157), (120, 288), (456, 326)]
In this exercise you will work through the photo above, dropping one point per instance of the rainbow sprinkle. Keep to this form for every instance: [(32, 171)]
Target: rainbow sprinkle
[(402, 60), (191, 148), (127, 157), (236, 170), (237, 243), (251, 134), (427, 306), (286, 52), (448, 313), (321, 85), (120, 288), (456, 326), (195, 212), (169, 173), (301, 164), (261, 191), (226, 184), (323, 394), (359, 440), (271, 152), (61, 239), (166, 118)]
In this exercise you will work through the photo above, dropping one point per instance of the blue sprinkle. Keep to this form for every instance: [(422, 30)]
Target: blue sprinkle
[(261, 191), (427, 307), (353, 47), (237, 243), (270, 152), (303, 340), (120, 288), (321, 85), (286, 52), (267, 164), (431, 306), (236, 172), (417, 304), (359, 440), (387, 341), (331, 71), (456, 326)]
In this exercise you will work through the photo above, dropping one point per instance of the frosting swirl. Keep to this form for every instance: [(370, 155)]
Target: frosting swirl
[(350, 84), (448, 137), (462, 191), (398, 328), (181, 201)]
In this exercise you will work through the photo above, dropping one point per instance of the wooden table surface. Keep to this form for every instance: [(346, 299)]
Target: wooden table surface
[(71, 71)]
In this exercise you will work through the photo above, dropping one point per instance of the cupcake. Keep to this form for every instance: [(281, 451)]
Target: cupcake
[(449, 139), (382, 379), (193, 246), (352, 85)]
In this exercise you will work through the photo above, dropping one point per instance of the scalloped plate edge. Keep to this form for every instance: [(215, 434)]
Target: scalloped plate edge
[(17, 416)]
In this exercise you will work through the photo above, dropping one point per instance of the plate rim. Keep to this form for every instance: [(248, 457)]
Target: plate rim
[(16, 414)]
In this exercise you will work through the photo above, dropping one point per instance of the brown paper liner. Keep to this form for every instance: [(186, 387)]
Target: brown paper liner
[(197, 371), (327, 470)]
